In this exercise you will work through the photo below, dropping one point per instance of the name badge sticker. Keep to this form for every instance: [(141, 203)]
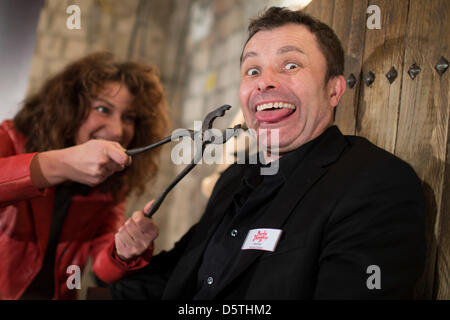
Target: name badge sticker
[(262, 239)]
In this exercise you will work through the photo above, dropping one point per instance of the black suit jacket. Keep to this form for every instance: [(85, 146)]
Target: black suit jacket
[(349, 205)]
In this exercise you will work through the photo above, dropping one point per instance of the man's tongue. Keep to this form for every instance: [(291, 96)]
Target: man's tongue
[(273, 115)]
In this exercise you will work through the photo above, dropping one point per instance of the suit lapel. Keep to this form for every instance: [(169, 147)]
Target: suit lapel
[(182, 283), (302, 180)]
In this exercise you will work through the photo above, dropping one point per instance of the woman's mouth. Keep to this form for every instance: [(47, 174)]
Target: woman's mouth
[(274, 111)]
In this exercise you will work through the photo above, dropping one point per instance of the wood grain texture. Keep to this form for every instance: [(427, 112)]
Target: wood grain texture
[(384, 48), (349, 23), (322, 10), (423, 131), (443, 254), (408, 117)]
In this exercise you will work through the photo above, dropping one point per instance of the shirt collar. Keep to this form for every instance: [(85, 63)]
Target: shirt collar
[(289, 161)]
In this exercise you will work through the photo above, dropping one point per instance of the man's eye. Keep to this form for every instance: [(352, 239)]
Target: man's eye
[(252, 72), (291, 66)]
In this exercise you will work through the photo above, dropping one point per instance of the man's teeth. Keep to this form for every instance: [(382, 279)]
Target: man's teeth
[(275, 105)]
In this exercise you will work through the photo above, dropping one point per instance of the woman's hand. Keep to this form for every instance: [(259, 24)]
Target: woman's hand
[(89, 163), (136, 235)]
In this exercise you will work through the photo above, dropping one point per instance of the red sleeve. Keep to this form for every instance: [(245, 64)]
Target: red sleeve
[(15, 179), (107, 265)]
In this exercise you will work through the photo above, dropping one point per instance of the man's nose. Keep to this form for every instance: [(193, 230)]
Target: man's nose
[(267, 81)]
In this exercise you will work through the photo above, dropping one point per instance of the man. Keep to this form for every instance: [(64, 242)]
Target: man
[(342, 218)]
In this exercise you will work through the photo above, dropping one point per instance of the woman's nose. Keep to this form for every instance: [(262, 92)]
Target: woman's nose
[(115, 128)]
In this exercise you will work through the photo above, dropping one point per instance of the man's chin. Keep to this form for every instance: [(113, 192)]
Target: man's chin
[(275, 139), (275, 147)]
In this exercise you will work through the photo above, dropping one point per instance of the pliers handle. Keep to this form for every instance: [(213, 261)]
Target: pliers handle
[(206, 138)]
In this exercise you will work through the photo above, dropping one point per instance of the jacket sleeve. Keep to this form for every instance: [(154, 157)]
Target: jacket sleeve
[(150, 282), (106, 264), (15, 179), (374, 244)]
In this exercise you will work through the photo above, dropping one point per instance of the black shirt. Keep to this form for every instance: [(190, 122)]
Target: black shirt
[(249, 204)]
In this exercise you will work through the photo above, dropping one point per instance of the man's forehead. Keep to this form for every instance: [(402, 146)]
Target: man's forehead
[(293, 37), (282, 50)]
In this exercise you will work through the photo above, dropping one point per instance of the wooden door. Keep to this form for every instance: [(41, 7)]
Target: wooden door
[(423, 131), (408, 117)]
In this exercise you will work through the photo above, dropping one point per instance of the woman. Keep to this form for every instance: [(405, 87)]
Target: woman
[(64, 176)]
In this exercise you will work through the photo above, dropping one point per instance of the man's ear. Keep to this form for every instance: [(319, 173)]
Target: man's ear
[(336, 88)]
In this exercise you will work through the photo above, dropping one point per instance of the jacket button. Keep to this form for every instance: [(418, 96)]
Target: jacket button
[(234, 233), (210, 280)]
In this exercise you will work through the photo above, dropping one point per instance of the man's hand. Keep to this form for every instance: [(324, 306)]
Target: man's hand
[(136, 235)]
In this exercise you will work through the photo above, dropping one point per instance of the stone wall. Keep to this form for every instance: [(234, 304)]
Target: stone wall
[(196, 45), (214, 41)]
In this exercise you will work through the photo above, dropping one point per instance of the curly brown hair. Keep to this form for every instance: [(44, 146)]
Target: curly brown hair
[(50, 118)]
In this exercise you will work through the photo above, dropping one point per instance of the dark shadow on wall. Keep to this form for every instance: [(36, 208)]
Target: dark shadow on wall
[(425, 286)]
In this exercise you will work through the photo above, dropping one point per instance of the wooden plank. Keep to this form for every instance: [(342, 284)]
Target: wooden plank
[(384, 48), (443, 255), (423, 128), (322, 10), (349, 23)]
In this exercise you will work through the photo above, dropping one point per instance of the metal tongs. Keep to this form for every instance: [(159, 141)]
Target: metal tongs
[(204, 136)]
